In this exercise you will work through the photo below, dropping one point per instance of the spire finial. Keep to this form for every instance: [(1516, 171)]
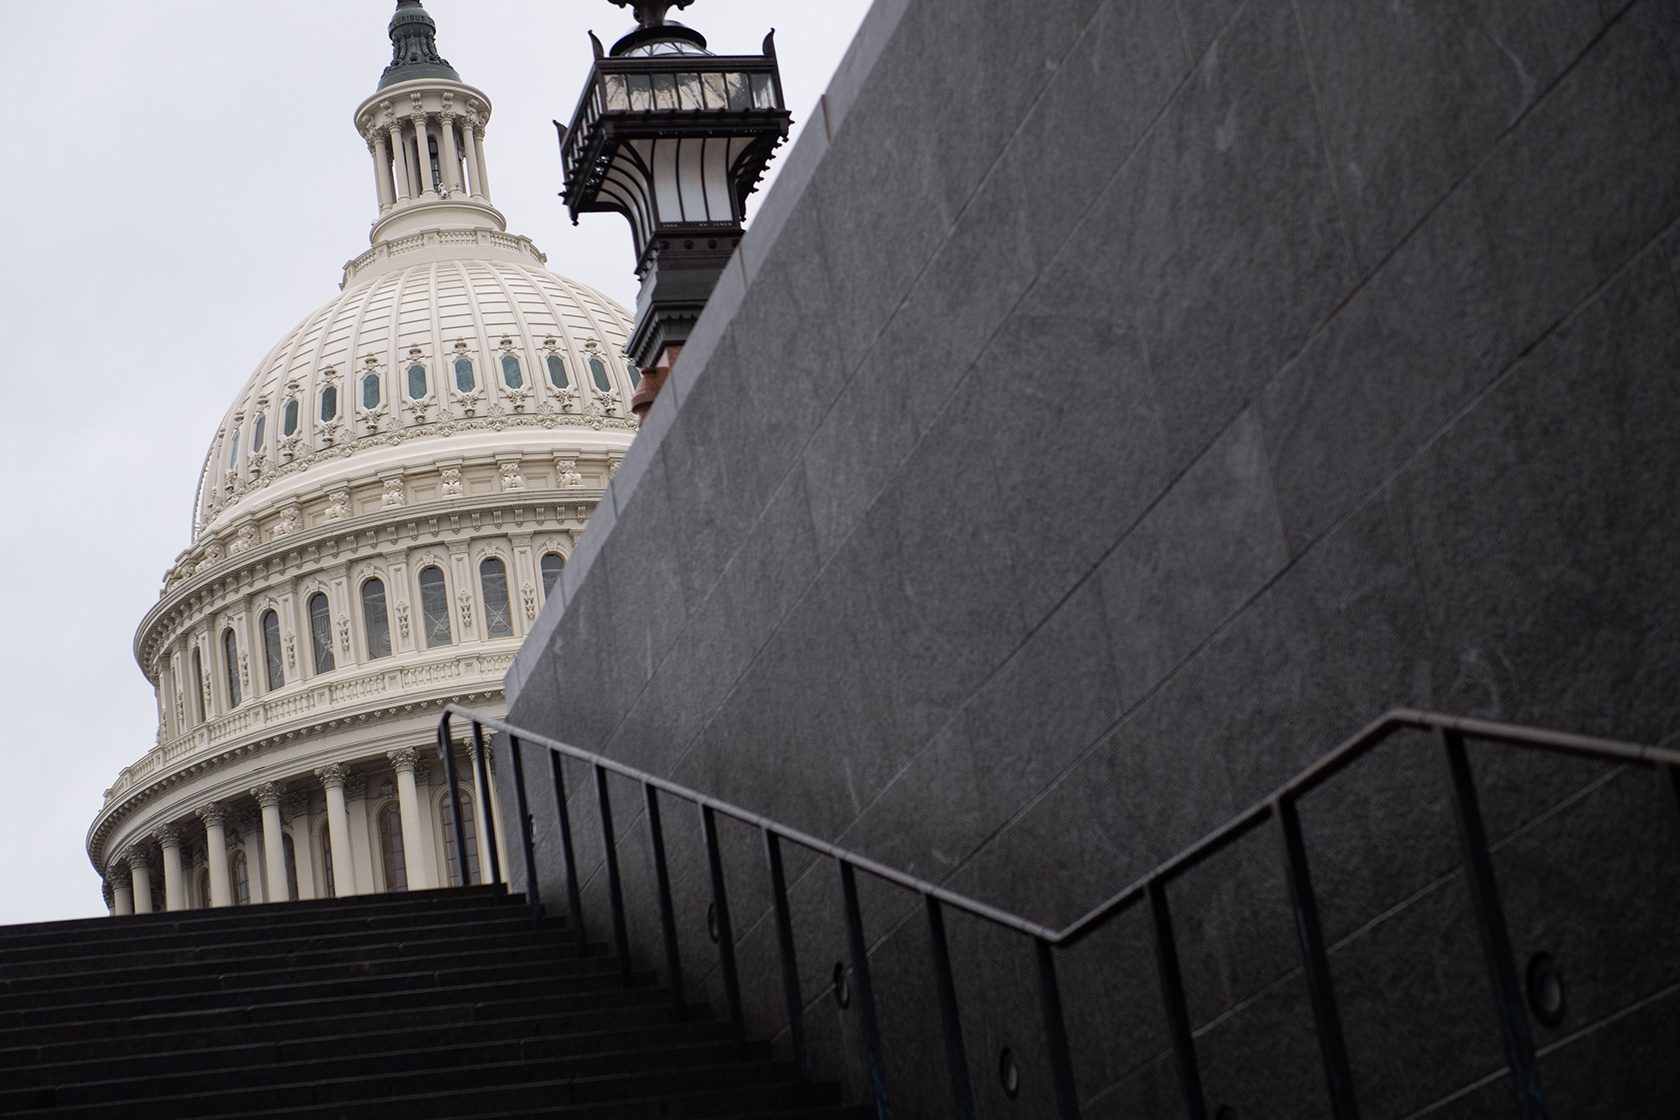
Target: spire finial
[(651, 13), (414, 47)]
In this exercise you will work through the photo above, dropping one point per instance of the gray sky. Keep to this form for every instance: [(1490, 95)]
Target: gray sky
[(182, 185)]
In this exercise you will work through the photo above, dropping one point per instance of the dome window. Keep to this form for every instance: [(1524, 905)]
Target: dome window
[(552, 565), (370, 391), (391, 848), (512, 373), (233, 451), (434, 605), (464, 379), (635, 374), (416, 382), (599, 369), (198, 687), (239, 875), (320, 632), (230, 658), (271, 650), (329, 404), (498, 612), (557, 372), (258, 430), (377, 619), (290, 427)]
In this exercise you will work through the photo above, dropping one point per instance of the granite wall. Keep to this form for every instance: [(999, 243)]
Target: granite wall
[(1113, 406)]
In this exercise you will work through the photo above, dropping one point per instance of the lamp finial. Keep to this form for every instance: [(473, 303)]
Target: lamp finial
[(651, 13)]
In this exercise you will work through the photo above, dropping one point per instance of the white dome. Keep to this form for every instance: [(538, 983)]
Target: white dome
[(493, 336)]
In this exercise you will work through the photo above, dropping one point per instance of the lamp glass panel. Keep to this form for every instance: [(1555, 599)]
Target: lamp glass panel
[(664, 91), (641, 93), (740, 91), (688, 92), (716, 91)]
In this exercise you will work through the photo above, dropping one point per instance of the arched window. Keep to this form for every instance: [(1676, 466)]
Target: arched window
[(290, 427), (511, 373), (239, 876), (468, 833), (230, 657), (233, 451), (599, 369), (326, 861), (391, 847), (198, 687), (288, 852), (329, 404), (464, 379), (498, 613), (552, 565), (376, 619), (204, 888), (257, 431), (416, 382), (370, 391), (320, 632), (271, 650), (434, 605), (557, 372)]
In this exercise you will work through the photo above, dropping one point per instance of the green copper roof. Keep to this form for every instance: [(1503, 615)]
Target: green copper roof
[(414, 47)]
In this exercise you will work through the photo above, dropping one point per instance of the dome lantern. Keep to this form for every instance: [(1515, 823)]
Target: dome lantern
[(425, 131), (674, 138)]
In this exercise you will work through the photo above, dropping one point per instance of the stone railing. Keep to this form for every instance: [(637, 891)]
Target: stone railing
[(257, 719)]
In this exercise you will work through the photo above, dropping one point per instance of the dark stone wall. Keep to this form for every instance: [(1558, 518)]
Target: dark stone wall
[(1114, 406)]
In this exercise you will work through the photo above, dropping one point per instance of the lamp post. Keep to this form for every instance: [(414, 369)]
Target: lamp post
[(674, 138)]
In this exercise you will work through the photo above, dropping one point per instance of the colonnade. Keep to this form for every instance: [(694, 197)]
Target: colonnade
[(348, 860), (401, 151)]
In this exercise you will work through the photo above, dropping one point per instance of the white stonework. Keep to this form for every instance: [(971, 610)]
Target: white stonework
[(417, 421)]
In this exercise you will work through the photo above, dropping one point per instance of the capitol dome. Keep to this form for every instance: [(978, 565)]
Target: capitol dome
[(384, 509)]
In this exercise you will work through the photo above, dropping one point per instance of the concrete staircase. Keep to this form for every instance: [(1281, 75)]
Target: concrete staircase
[(408, 1006)]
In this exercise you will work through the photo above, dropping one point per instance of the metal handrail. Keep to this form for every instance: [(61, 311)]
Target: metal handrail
[(1452, 732)]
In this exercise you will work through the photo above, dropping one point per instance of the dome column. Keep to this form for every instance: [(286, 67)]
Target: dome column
[(476, 147), (450, 156), (378, 146), (215, 843), (274, 851), (174, 888), (422, 152), (482, 807), (140, 872), (399, 162), (338, 831), (303, 844), (122, 893), (408, 801)]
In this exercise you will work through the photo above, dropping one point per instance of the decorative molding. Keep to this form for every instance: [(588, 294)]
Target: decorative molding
[(512, 479), (452, 487), (465, 601), (338, 507), (396, 494), (167, 836), (528, 594), (344, 633), (403, 759), (566, 476), (355, 787), (267, 794), (402, 618), (331, 776)]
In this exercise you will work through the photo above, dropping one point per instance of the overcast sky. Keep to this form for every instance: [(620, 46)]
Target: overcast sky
[(182, 184)]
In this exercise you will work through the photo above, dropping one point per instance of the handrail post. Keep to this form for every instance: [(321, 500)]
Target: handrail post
[(667, 912), (865, 993), (574, 898), (1332, 1046), (1495, 936), (615, 890), (446, 751), (726, 936), (956, 1058), (486, 811), (790, 962), (1178, 1012), (1055, 1031), (533, 896)]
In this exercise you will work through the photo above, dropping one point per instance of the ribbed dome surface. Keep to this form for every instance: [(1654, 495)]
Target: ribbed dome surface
[(454, 350)]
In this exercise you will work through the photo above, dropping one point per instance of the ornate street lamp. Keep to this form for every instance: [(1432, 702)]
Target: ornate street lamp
[(674, 138)]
